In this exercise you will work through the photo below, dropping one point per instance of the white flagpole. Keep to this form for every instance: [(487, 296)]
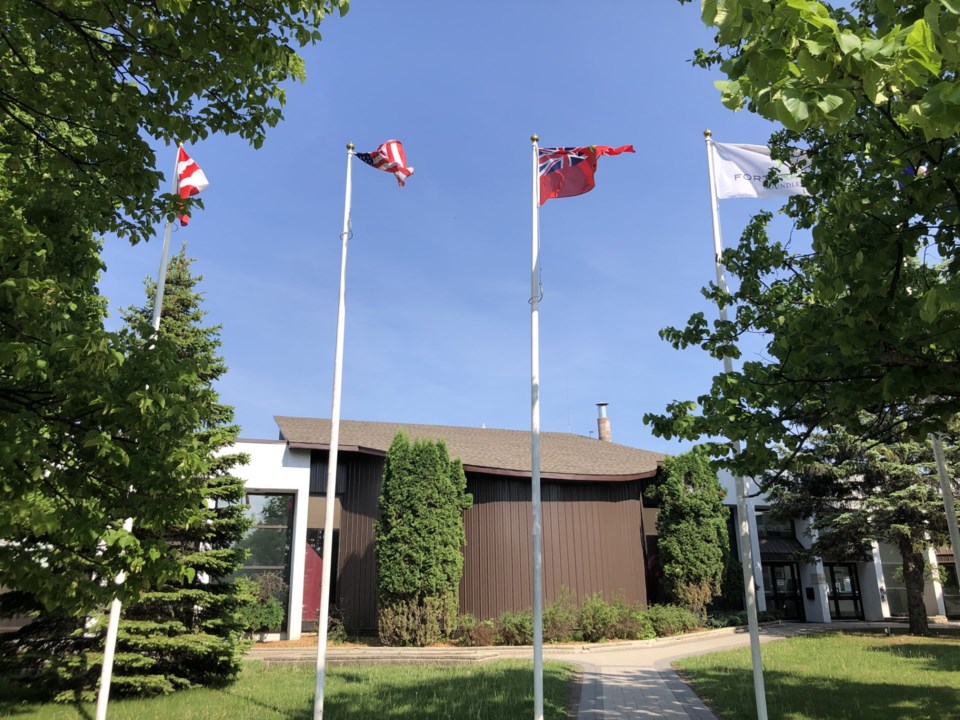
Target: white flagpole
[(946, 488), (334, 451), (535, 443), (113, 625), (746, 551)]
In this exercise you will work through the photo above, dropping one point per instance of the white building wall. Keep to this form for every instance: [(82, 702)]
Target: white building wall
[(873, 591), (812, 575), (729, 485), (274, 468), (932, 589)]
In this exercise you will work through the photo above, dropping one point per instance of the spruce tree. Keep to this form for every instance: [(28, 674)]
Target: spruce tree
[(191, 632), (187, 630), (858, 491), (419, 541)]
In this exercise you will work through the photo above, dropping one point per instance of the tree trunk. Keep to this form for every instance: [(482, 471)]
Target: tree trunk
[(913, 571)]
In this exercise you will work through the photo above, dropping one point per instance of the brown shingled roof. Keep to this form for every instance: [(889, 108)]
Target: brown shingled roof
[(501, 452)]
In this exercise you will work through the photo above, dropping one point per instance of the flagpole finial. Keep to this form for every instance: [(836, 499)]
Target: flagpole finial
[(707, 133), (350, 146), (534, 138)]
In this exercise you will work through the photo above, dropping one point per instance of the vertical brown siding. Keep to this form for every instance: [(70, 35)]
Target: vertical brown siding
[(592, 542), (356, 585), (496, 568)]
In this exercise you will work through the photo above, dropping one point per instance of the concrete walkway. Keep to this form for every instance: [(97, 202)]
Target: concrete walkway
[(635, 680), (619, 679)]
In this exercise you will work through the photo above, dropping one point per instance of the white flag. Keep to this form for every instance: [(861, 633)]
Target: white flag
[(740, 170)]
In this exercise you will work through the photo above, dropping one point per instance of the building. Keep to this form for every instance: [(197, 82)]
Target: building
[(831, 588), (593, 520)]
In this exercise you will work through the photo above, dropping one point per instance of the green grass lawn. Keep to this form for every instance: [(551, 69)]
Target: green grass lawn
[(836, 676), (492, 691)]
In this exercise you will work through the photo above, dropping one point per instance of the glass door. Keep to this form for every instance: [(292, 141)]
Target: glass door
[(951, 590), (781, 588), (845, 601)]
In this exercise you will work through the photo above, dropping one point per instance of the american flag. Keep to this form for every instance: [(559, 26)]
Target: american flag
[(190, 179), (554, 159), (389, 157)]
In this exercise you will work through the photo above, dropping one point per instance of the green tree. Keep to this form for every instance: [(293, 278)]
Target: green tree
[(188, 630), (85, 415), (692, 530), (856, 492), (868, 318), (419, 539), (86, 89)]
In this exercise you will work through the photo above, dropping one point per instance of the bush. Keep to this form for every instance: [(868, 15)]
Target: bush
[(769, 616), (475, 633), (597, 618), (515, 628), (336, 631), (560, 618), (721, 620), (264, 613), (733, 619), (670, 620), (414, 622), (618, 620), (632, 622)]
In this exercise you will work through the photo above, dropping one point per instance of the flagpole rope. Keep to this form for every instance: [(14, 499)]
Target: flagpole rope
[(539, 296)]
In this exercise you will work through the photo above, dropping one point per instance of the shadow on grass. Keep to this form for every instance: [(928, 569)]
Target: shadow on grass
[(503, 691), (730, 693), (943, 656), (15, 700), (284, 712), (11, 709), (490, 692)]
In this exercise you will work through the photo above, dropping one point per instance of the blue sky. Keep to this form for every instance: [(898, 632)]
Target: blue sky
[(438, 318)]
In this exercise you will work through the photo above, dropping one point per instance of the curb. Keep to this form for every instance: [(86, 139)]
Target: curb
[(455, 655)]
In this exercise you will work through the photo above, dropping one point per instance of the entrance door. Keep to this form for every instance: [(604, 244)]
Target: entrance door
[(951, 590), (845, 601), (312, 580), (781, 587)]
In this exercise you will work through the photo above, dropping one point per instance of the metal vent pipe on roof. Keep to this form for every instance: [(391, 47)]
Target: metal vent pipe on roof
[(603, 423)]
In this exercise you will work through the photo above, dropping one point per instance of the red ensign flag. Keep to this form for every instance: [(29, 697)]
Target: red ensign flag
[(569, 171)]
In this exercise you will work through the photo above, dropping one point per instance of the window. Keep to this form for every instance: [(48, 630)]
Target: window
[(268, 542), (770, 527)]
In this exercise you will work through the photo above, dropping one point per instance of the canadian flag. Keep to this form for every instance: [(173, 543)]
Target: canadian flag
[(190, 179)]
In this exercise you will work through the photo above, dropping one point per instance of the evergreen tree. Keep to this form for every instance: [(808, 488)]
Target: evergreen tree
[(185, 631), (419, 541), (692, 529), (191, 632), (858, 491)]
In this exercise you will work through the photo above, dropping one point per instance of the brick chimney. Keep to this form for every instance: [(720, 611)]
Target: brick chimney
[(603, 423)]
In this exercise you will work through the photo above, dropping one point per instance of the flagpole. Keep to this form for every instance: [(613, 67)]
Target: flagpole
[(113, 624), (535, 443), (946, 489), (334, 451), (746, 551)]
